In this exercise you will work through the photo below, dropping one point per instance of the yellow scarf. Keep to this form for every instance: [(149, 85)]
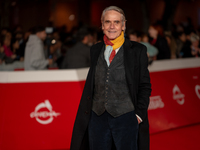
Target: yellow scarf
[(118, 42)]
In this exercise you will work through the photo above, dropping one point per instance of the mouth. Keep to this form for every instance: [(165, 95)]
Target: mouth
[(112, 31)]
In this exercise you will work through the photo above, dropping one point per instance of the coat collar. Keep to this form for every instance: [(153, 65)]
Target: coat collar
[(129, 60)]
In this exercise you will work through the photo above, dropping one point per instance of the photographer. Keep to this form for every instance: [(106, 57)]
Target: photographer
[(34, 51)]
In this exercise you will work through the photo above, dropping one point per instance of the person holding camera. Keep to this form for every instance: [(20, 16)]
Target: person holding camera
[(34, 52)]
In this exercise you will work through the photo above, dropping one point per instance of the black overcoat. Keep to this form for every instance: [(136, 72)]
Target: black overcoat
[(138, 80)]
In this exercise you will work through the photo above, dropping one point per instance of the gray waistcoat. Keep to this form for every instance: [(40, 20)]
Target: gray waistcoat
[(111, 91)]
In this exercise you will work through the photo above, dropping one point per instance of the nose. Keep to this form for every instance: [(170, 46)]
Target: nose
[(112, 25)]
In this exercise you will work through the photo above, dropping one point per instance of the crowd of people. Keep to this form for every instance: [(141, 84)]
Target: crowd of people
[(48, 47), (182, 42), (51, 47)]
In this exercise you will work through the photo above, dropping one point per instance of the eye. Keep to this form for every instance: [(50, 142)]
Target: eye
[(107, 21), (117, 22)]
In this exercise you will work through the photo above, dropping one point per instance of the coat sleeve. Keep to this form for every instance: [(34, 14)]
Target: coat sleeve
[(79, 135), (144, 85)]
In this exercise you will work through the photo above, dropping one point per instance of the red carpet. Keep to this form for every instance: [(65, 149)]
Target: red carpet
[(185, 138)]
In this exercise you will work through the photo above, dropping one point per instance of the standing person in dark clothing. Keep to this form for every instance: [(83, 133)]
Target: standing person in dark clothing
[(158, 40), (19, 36), (79, 55), (186, 49), (180, 41), (114, 103)]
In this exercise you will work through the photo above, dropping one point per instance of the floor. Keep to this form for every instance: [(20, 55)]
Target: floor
[(185, 138)]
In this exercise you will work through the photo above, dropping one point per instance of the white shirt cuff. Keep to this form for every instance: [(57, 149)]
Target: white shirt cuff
[(139, 118)]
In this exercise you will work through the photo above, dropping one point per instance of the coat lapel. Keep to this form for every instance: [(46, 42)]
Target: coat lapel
[(95, 56), (129, 61)]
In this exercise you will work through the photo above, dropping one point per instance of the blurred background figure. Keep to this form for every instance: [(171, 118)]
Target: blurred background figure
[(172, 44), (186, 45), (19, 36), (34, 51), (152, 51), (191, 48), (180, 41), (15, 47), (7, 55), (56, 53), (134, 35), (1, 53), (143, 38), (79, 55), (158, 40), (195, 50)]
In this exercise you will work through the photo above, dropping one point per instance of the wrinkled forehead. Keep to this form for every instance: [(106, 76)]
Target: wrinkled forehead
[(112, 15)]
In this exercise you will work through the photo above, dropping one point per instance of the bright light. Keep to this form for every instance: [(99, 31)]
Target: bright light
[(53, 41)]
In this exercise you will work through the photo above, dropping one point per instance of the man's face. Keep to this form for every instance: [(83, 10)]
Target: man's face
[(112, 25)]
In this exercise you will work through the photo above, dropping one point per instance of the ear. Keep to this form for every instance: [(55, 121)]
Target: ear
[(124, 26), (102, 26)]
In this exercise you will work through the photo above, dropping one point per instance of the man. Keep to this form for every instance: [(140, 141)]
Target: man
[(113, 108), (79, 55), (34, 51)]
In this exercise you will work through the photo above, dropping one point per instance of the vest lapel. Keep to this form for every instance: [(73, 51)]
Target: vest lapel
[(116, 59)]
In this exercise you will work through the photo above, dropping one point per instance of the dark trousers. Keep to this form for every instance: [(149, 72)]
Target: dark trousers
[(105, 129)]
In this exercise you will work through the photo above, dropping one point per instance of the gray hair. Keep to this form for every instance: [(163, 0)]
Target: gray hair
[(115, 8)]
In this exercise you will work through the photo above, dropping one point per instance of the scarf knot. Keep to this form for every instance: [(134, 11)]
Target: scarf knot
[(112, 45)]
